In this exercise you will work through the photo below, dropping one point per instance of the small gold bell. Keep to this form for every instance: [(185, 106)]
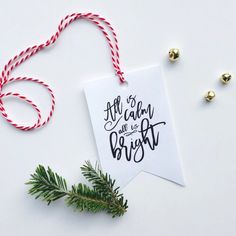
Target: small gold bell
[(174, 54), (225, 78), (210, 95)]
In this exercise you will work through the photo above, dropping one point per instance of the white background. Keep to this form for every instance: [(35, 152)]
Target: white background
[(205, 32)]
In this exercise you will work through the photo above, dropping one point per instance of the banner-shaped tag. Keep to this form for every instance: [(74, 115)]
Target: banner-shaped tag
[(133, 126)]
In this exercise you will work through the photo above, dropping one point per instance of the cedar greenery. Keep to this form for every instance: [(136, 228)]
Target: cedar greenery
[(102, 196)]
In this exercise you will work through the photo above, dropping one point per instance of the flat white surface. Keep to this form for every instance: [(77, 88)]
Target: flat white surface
[(124, 151), (205, 32)]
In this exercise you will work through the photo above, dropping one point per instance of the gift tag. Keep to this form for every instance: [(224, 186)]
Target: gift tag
[(133, 127)]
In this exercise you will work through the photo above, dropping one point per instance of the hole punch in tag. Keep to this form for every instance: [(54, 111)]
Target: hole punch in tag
[(124, 85)]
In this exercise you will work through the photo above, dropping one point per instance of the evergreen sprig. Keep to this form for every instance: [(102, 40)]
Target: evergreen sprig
[(102, 196), (105, 186)]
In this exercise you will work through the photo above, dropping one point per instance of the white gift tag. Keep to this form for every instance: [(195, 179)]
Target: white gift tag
[(133, 126)]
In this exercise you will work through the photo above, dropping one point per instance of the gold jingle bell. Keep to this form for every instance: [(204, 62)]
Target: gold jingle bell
[(174, 54), (210, 95), (225, 78)]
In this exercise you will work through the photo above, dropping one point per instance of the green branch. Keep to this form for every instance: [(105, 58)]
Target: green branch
[(102, 196)]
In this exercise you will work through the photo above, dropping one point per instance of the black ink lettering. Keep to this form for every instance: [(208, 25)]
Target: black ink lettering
[(112, 110), (124, 140)]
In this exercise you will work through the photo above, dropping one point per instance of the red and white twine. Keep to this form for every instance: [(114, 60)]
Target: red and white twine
[(5, 78)]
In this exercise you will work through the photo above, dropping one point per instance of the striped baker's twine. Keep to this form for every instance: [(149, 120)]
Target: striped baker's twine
[(5, 78)]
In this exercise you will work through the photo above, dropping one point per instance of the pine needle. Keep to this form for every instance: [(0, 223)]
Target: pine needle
[(102, 196)]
